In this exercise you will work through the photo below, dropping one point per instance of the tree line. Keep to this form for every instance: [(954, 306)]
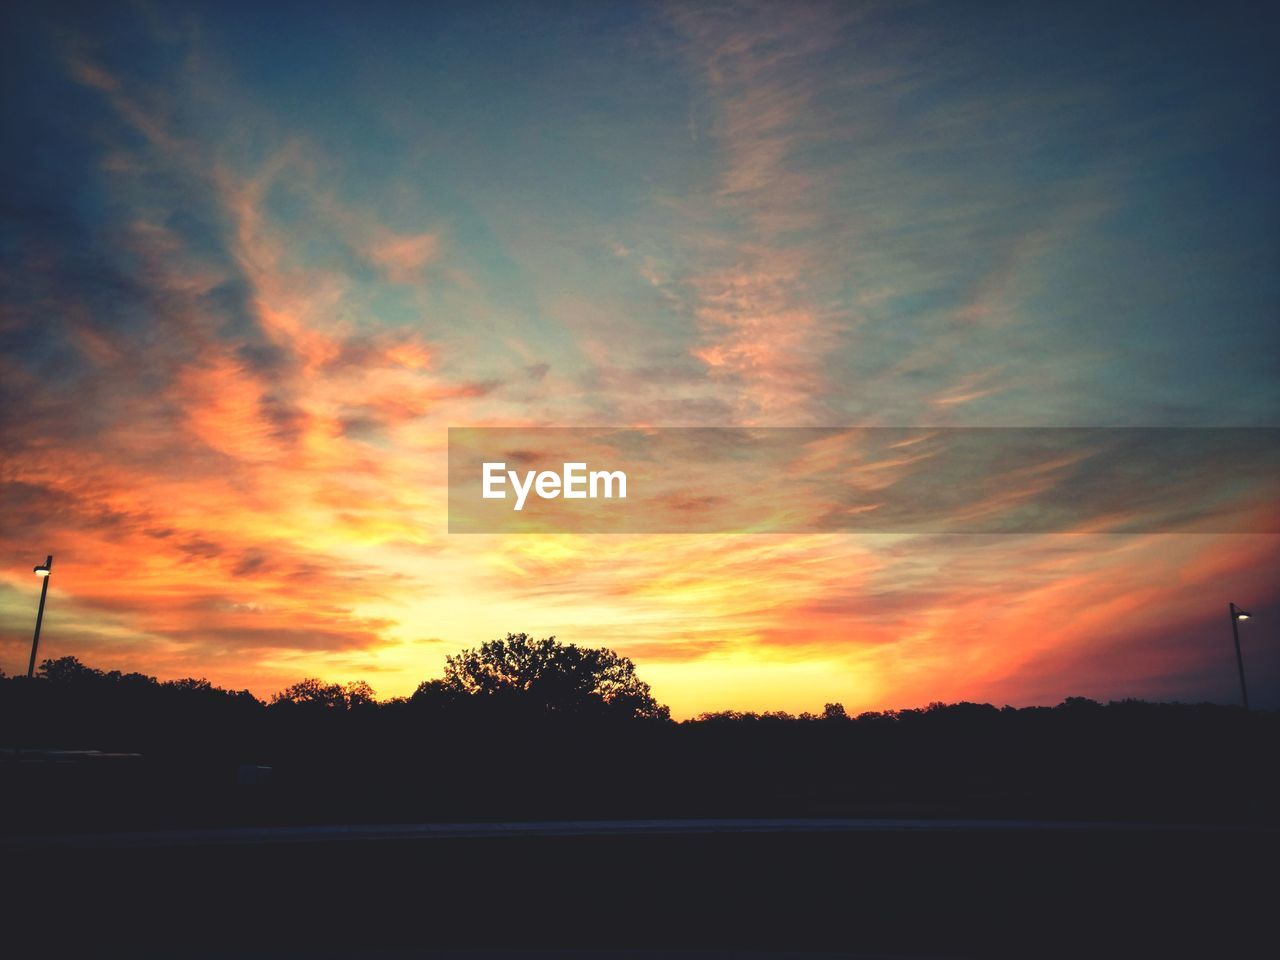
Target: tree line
[(523, 727)]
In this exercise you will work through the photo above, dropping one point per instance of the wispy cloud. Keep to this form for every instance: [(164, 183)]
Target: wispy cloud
[(248, 283)]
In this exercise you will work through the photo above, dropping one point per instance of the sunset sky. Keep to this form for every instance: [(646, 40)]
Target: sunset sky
[(256, 262)]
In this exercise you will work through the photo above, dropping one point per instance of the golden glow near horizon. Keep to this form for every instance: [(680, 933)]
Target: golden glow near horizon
[(267, 289)]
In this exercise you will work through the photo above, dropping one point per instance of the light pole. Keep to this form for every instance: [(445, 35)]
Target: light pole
[(43, 571), (1236, 616)]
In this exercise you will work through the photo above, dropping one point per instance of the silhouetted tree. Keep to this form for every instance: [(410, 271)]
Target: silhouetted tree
[(557, 677), (359, 694), (463, 746), (68, 670), (316, 693), (189, 685), (435, 694)]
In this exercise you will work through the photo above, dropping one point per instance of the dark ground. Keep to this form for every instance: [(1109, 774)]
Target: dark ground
[(943, 892), (1085, 830)]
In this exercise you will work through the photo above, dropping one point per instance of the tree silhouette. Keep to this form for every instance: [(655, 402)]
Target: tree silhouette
[(67, 670), (555, 677), (525, 728), (318, 694), (436, 695), (834, 711)]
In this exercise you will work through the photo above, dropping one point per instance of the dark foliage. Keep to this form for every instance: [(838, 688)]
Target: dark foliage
[(553, 678), (524, 728)]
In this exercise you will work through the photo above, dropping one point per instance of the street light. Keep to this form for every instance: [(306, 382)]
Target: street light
[(42, 571), (1236, 616)]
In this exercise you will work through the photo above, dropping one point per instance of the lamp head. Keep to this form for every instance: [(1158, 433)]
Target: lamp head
[(1242, 615), (42, 570)]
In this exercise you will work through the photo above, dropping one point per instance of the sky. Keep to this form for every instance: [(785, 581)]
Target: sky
[(258, 258)]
